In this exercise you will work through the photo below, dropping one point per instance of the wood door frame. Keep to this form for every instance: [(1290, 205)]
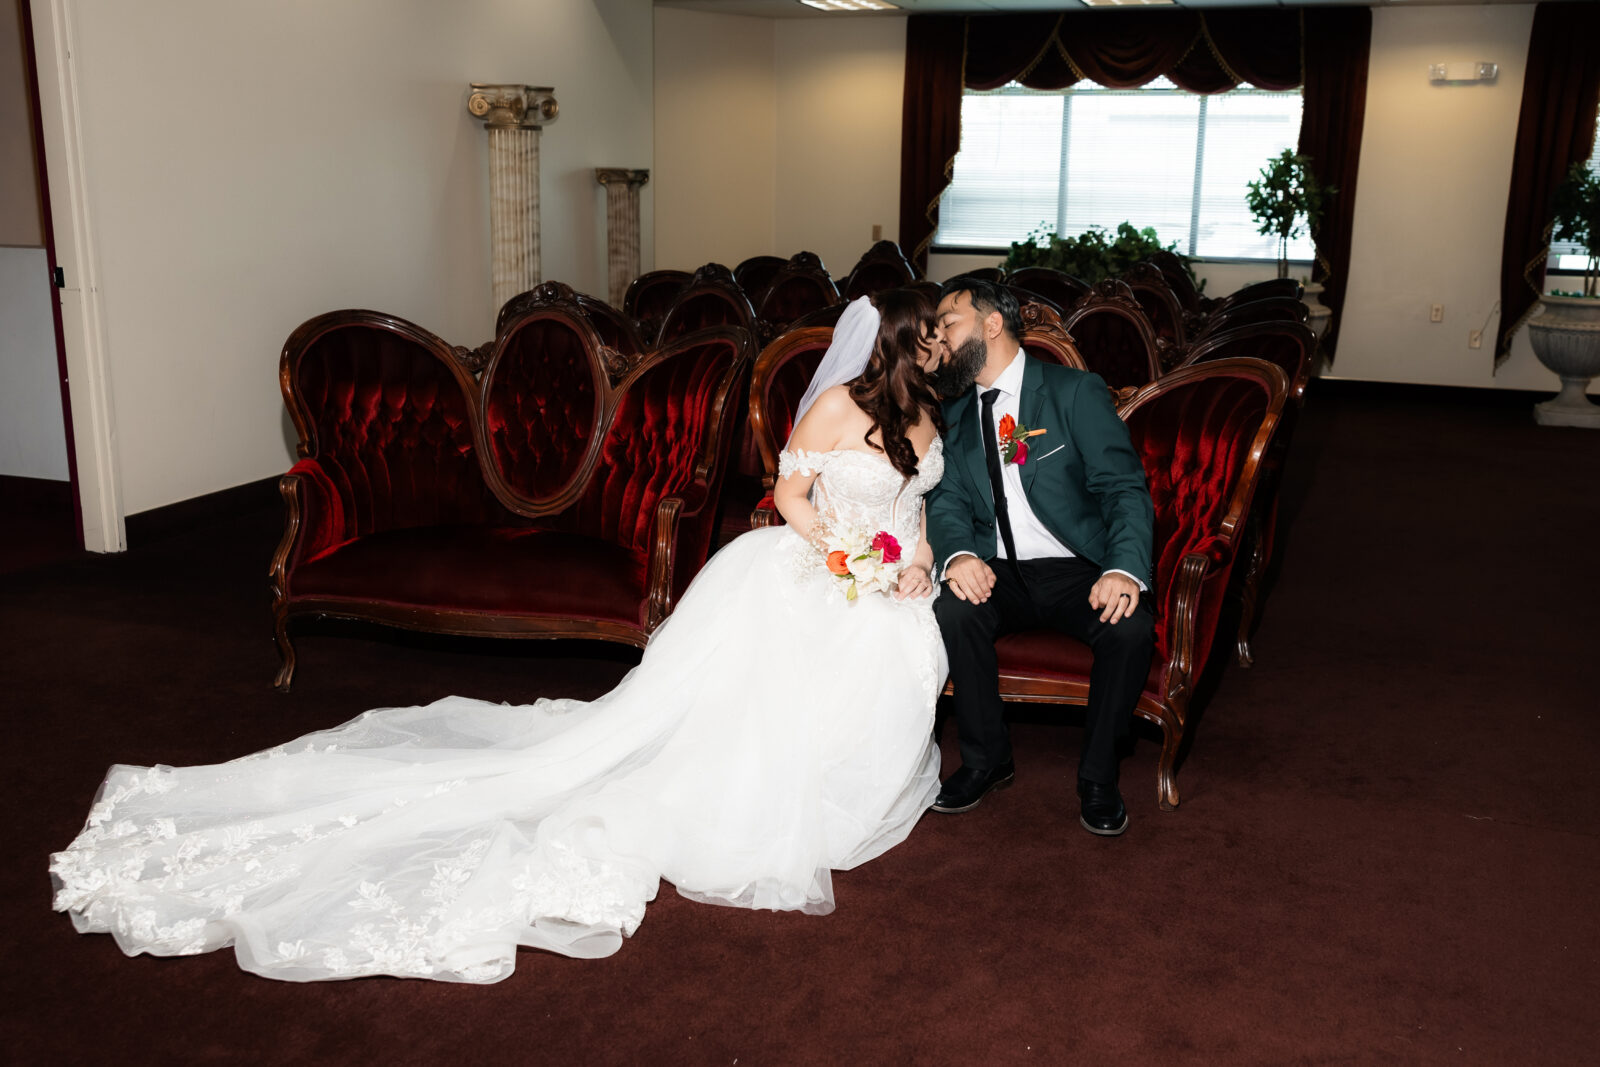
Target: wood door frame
[(81, 348)]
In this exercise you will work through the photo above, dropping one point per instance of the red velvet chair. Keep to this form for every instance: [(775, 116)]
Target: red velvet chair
[(1058, 287), (1290, 346), (782, 372), (615, 328), (1270, 309), (1178, 280), (1162, 306), (1115, 337), (883, 266), (1043, 336), (756, 273), (568, 492), (801, 287), (1202, 432), (712, 298), (1270, 289), (648, 297)]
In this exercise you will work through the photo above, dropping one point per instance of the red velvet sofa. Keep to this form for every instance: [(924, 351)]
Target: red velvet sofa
[(546, 484)]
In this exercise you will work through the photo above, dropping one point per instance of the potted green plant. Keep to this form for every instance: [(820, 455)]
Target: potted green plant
[(1092, 256), (1566, 333), (1286, 200)]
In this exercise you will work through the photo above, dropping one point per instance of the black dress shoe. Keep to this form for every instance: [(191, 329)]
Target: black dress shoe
[(963, 789), (1103, 811)]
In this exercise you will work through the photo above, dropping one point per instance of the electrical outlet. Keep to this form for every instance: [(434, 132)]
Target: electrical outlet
[(1436, 313), (1474, 338)]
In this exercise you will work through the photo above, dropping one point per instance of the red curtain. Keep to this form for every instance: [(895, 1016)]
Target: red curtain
[(1337, 43), (1204, 52), (1560, 96)]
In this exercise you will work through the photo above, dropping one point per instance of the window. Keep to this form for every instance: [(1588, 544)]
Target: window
[(1154, 156), (1567, 256)]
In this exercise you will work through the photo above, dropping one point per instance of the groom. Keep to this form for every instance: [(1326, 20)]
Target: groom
[(1050, 530)]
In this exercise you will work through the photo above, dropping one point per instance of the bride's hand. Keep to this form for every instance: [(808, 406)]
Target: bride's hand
[(914, 582)]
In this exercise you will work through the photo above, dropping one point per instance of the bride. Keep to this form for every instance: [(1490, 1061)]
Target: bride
[(778, 727)]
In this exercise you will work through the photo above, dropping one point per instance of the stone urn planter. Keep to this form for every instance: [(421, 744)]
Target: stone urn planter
[(1566, 338), (1318, 314)]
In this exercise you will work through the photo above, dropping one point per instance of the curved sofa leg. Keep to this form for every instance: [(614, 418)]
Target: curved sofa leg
[(1167, 773), (1249, 590), (285, 655)]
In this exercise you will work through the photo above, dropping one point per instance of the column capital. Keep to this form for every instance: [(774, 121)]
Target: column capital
[(513, 106), (620, 175)]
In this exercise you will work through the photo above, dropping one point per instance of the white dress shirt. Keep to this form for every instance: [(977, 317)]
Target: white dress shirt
[(1032, 538)]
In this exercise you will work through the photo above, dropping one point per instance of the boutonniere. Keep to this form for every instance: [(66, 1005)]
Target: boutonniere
[(1014, 440)]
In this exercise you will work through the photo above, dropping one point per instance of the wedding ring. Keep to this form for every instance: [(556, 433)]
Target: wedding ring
[(1124, 596)]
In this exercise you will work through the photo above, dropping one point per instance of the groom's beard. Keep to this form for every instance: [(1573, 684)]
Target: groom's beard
[(960, 369)]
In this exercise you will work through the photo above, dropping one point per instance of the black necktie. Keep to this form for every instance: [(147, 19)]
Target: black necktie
[(991, 455)]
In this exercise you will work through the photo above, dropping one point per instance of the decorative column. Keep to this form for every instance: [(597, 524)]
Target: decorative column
[(513, 115), (622, 226)]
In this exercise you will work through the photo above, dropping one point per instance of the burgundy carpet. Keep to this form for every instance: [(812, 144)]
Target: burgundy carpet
[(1385, 851)]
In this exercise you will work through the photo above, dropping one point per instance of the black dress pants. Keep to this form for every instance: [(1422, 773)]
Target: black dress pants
[(1044, 594)]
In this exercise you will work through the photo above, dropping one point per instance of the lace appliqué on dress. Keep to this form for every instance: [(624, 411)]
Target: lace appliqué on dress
[(801, 461)]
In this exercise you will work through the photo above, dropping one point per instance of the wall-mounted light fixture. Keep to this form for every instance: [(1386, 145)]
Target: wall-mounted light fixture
[(1461, 73)]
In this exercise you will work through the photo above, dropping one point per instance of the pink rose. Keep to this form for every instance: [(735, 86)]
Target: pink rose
[(1022, 453), (891, 548)]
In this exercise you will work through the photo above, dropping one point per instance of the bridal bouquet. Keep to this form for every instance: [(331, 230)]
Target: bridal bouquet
[(864, 563)]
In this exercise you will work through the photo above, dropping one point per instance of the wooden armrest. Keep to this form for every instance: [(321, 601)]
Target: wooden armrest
[(663, 553)]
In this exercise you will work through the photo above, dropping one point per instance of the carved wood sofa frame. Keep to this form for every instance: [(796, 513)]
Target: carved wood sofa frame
[(545, 485)]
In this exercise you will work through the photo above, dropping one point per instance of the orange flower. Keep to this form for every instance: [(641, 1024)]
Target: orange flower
[(839, 562), (1008, 426)]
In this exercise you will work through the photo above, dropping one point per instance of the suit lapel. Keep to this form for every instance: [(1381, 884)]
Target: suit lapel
[(1030, 410), (961, 419)]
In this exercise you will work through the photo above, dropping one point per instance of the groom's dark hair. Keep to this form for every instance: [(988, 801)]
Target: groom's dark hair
[(987, 298)]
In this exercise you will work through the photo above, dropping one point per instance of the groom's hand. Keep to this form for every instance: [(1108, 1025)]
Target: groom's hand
[(970, 578), (1114, 596)]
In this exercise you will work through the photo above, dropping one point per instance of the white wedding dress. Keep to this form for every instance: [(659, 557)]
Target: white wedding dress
[(771, 733)]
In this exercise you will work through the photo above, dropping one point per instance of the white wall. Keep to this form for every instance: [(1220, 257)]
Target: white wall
[(840, 83), (250, 165), (775, 135), (19, 186), (33, 441), (716, 137), (1431, 202)]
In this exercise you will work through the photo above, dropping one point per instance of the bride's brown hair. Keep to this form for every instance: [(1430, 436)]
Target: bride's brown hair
[(892, 387)]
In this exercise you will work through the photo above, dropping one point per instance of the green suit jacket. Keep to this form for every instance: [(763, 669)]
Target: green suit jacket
[(1091, 494)]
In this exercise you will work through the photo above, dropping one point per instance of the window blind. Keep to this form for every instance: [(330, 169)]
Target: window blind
[(1154, 156)]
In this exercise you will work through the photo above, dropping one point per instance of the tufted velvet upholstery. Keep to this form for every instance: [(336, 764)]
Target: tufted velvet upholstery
[(1291, 347), (1196, 443), (568, 492), (540, 404), (383, 413), (668, 413), (1201, 432)]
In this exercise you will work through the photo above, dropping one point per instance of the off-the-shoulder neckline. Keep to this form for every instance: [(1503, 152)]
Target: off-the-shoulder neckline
[(938, 442)]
